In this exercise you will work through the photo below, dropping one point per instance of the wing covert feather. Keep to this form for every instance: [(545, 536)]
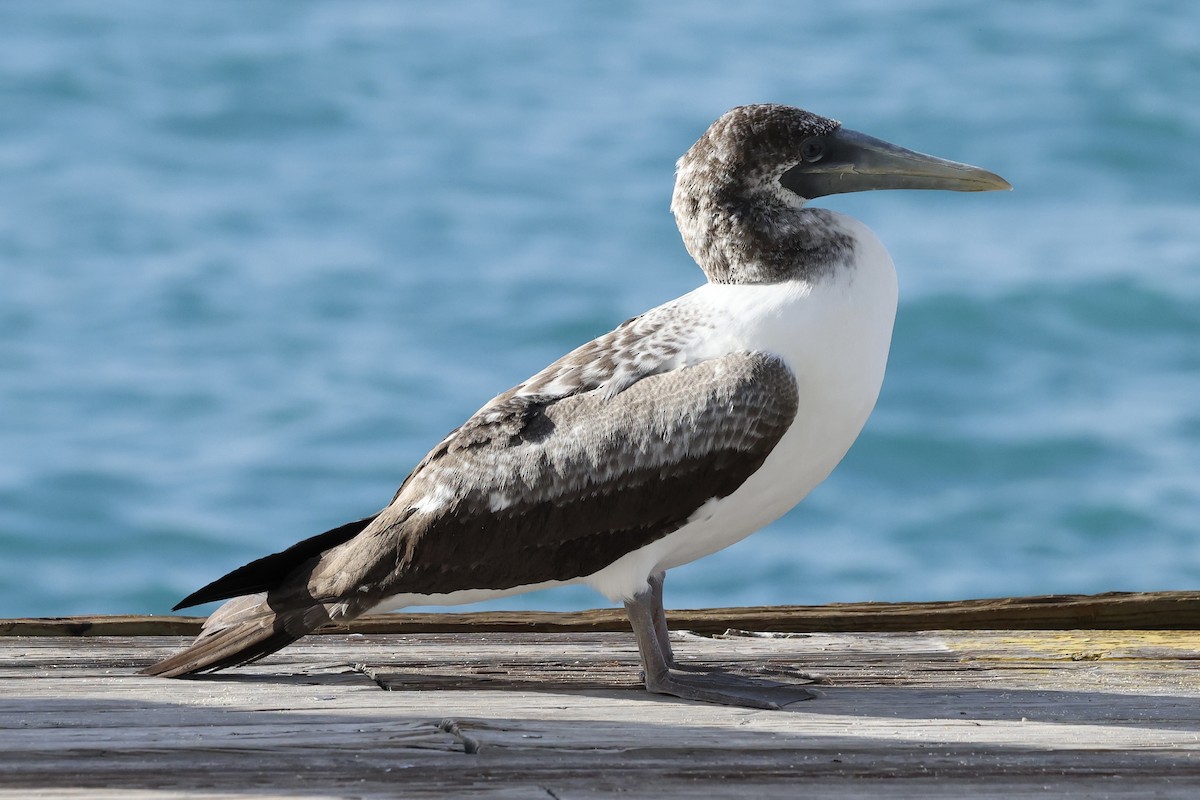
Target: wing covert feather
[(536, 489)]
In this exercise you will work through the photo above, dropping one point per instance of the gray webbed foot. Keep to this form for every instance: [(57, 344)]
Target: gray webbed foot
[(709, 684), (727, 689)]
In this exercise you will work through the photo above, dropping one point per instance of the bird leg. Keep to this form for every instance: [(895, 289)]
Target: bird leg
[(661, 632), (663, 676)]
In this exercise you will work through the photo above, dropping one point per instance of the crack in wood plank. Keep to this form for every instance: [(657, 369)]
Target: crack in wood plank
[(924, 714)]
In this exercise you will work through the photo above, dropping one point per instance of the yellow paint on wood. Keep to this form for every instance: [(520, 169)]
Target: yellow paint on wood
[(1081, 645)]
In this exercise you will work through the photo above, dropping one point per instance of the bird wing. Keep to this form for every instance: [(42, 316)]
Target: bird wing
[(646, 345), (534, 488)]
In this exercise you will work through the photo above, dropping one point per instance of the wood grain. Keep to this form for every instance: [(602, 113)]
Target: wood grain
[(561, 715), (1111, 611)]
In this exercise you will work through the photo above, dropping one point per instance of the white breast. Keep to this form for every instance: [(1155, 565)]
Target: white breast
[(834, 335)]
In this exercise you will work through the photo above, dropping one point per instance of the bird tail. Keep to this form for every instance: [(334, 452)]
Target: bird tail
[(271, 607), (243, 630)]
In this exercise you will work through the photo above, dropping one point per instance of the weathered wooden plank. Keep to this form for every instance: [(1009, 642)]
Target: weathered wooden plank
[(926, 714), (1109, 611)]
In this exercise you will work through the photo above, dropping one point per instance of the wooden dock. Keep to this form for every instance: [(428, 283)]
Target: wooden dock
[(487, 706)]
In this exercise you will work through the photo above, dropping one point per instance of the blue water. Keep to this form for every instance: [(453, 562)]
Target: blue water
[(256, 258)]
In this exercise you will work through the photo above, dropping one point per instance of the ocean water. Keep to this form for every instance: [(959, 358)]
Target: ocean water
[(255, 259)]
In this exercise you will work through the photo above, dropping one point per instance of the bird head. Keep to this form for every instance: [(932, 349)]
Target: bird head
[(739, 187)]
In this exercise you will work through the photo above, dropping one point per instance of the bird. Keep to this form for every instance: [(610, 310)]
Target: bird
[(678, 433)]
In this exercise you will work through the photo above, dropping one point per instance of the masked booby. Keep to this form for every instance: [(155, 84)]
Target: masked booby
[(680, 432)]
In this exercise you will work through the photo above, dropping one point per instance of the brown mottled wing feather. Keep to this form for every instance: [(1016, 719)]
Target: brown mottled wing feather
[(535, 489), (553, 480)]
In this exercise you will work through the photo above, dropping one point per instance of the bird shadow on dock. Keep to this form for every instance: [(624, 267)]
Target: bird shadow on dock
[(885, 700)]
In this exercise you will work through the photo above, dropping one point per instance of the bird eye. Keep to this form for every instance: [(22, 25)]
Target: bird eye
[(812, 149)]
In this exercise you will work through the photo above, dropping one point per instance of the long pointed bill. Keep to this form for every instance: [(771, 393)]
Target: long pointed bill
[(855, 162)]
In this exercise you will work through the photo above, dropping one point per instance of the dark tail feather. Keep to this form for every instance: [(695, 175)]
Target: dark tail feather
[(243, 630), (271, 607), (229, 648), (268, 572)]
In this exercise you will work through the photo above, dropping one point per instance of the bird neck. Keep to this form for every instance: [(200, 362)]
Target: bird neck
[(738, 235)]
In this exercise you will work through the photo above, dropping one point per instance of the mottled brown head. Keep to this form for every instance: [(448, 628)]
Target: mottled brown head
[(740, 191)]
